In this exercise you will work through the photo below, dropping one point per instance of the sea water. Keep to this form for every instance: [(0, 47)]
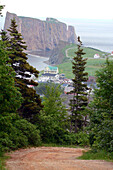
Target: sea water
[(94, 33)]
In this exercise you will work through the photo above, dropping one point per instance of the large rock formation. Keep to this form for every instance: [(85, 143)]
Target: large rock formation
[(42, 35)]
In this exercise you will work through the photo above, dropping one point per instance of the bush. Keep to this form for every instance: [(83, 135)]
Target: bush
[(29, 130), (17, 133), (104, 137), (80, 138)]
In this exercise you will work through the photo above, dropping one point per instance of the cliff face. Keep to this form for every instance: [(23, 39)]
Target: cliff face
[(42, 35)]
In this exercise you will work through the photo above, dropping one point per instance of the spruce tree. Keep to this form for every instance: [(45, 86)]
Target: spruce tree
[(24, 73), (10, 97), (79, 100), (1, 8), (4, 37)]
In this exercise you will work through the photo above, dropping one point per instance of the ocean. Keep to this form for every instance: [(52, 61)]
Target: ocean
[(94, 33), (37, 61)]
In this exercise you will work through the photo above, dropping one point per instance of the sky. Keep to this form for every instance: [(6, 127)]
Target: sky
[(84, 9)]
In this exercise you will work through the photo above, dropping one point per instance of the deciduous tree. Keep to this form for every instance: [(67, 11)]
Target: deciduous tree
[(101, 110), (53, 119)]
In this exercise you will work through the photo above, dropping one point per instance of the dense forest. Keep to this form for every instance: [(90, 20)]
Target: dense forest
[(27, 120)]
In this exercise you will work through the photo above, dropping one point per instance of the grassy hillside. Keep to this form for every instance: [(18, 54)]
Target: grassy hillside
[(89, 52), (92, 64)]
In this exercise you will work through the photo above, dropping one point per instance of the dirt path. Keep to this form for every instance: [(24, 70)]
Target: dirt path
[(53, 158)]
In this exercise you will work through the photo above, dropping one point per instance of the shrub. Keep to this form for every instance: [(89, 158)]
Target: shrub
[(104, 137), (17, 133), (29, 130)]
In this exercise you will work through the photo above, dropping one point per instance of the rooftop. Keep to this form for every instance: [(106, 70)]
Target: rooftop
[(52, 68)]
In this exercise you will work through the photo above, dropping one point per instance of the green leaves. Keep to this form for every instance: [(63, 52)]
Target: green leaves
[(101, 110), (16, 132)]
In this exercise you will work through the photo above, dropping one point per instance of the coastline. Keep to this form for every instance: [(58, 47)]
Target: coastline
[(33, 55), (37, 61)]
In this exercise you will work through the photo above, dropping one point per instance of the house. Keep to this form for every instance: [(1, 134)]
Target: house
[(48, 76), (50, 73), (51, 70), (112, 53), (96, 56)]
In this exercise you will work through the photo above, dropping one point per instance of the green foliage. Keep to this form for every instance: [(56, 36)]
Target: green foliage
[(80, 99), (17, 133), (52, 121), (30, 131), (101, 110), (41, 88), (10, 97), (1, 8), (51, 130), (2, 160), (53, 102), (99, 155), (31, 104), (92, 66), (80, 138)]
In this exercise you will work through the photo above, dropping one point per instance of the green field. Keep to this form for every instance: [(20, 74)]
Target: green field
[(91, 67), (90, 52), (92, 64)]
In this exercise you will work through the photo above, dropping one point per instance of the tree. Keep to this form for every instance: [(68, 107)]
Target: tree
[(1, 8), (10, 97), (53, 119), (101, 110), (80, 99), (24, 73), (4, 37)]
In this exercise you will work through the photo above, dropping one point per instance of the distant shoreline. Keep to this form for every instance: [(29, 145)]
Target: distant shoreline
[(33, 55)]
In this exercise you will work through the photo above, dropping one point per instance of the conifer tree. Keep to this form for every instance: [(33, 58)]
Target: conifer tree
[(1, 8), (79, 100), (10, 97), (4, 36), (24, 73)]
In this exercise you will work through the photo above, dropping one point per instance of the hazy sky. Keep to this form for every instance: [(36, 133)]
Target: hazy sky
[(90, 9)]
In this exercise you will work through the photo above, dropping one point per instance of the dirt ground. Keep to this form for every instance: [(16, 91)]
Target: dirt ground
[(53, 158)]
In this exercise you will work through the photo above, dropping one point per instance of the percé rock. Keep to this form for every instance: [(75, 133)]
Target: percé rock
[(42, 35)]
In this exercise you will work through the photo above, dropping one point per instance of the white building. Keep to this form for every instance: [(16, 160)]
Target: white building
[(50, 73), (96, 56), (51, 70), (112, 53)]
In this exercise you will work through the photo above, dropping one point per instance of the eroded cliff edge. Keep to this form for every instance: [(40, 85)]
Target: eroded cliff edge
[(42, 35)]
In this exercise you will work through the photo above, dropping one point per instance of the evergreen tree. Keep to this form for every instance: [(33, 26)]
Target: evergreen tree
[(10, 97), (24, 73), (1, 8), (4, 36), (79, 100)]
